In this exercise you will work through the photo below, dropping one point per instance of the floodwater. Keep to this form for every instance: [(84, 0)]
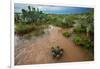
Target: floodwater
[(37, 50)]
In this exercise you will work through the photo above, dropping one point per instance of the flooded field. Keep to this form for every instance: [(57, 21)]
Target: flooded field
[(37, 50)]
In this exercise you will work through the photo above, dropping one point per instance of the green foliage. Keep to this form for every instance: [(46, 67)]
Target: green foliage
[(31, 15), (84, 26), (22, 29), (77, 40), (34, 20), (66, 34), (83, 41), (85, 23), (30, 20), (79, 28), (64, 21), (67, 23)]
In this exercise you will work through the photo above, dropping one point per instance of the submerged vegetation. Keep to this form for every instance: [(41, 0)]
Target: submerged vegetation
[(34, 21)]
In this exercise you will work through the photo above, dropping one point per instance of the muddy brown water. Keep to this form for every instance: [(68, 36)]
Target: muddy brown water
[(37, 50)]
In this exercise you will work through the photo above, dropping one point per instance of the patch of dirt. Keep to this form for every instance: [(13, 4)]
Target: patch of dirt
[(38, 51)]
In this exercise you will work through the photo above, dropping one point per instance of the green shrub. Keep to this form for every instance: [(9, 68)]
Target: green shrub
[(79, 28), (66, 34), (66, 23), (77, 39), (87, 43), (83, 41), (21, 29)]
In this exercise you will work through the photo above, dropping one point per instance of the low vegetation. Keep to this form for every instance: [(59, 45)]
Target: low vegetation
[(84, 42), (66, 34), (33, 20), (84, 31)]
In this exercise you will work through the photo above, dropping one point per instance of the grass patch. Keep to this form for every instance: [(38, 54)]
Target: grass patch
[(21, 29), (66, 34), (33, 33), (83, 41), (77, 39)]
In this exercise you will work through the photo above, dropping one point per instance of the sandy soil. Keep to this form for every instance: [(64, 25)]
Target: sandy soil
[(38, 50)]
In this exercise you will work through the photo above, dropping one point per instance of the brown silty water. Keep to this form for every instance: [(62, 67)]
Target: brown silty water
[(38, 49)]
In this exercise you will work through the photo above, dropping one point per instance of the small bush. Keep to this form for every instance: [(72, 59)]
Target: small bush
[(83, 41), (21, 29), (66, 34), (66, 23), (79, 29), (88, 44), (77, 39)]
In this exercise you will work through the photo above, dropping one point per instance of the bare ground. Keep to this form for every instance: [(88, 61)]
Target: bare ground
[(39, 50)]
